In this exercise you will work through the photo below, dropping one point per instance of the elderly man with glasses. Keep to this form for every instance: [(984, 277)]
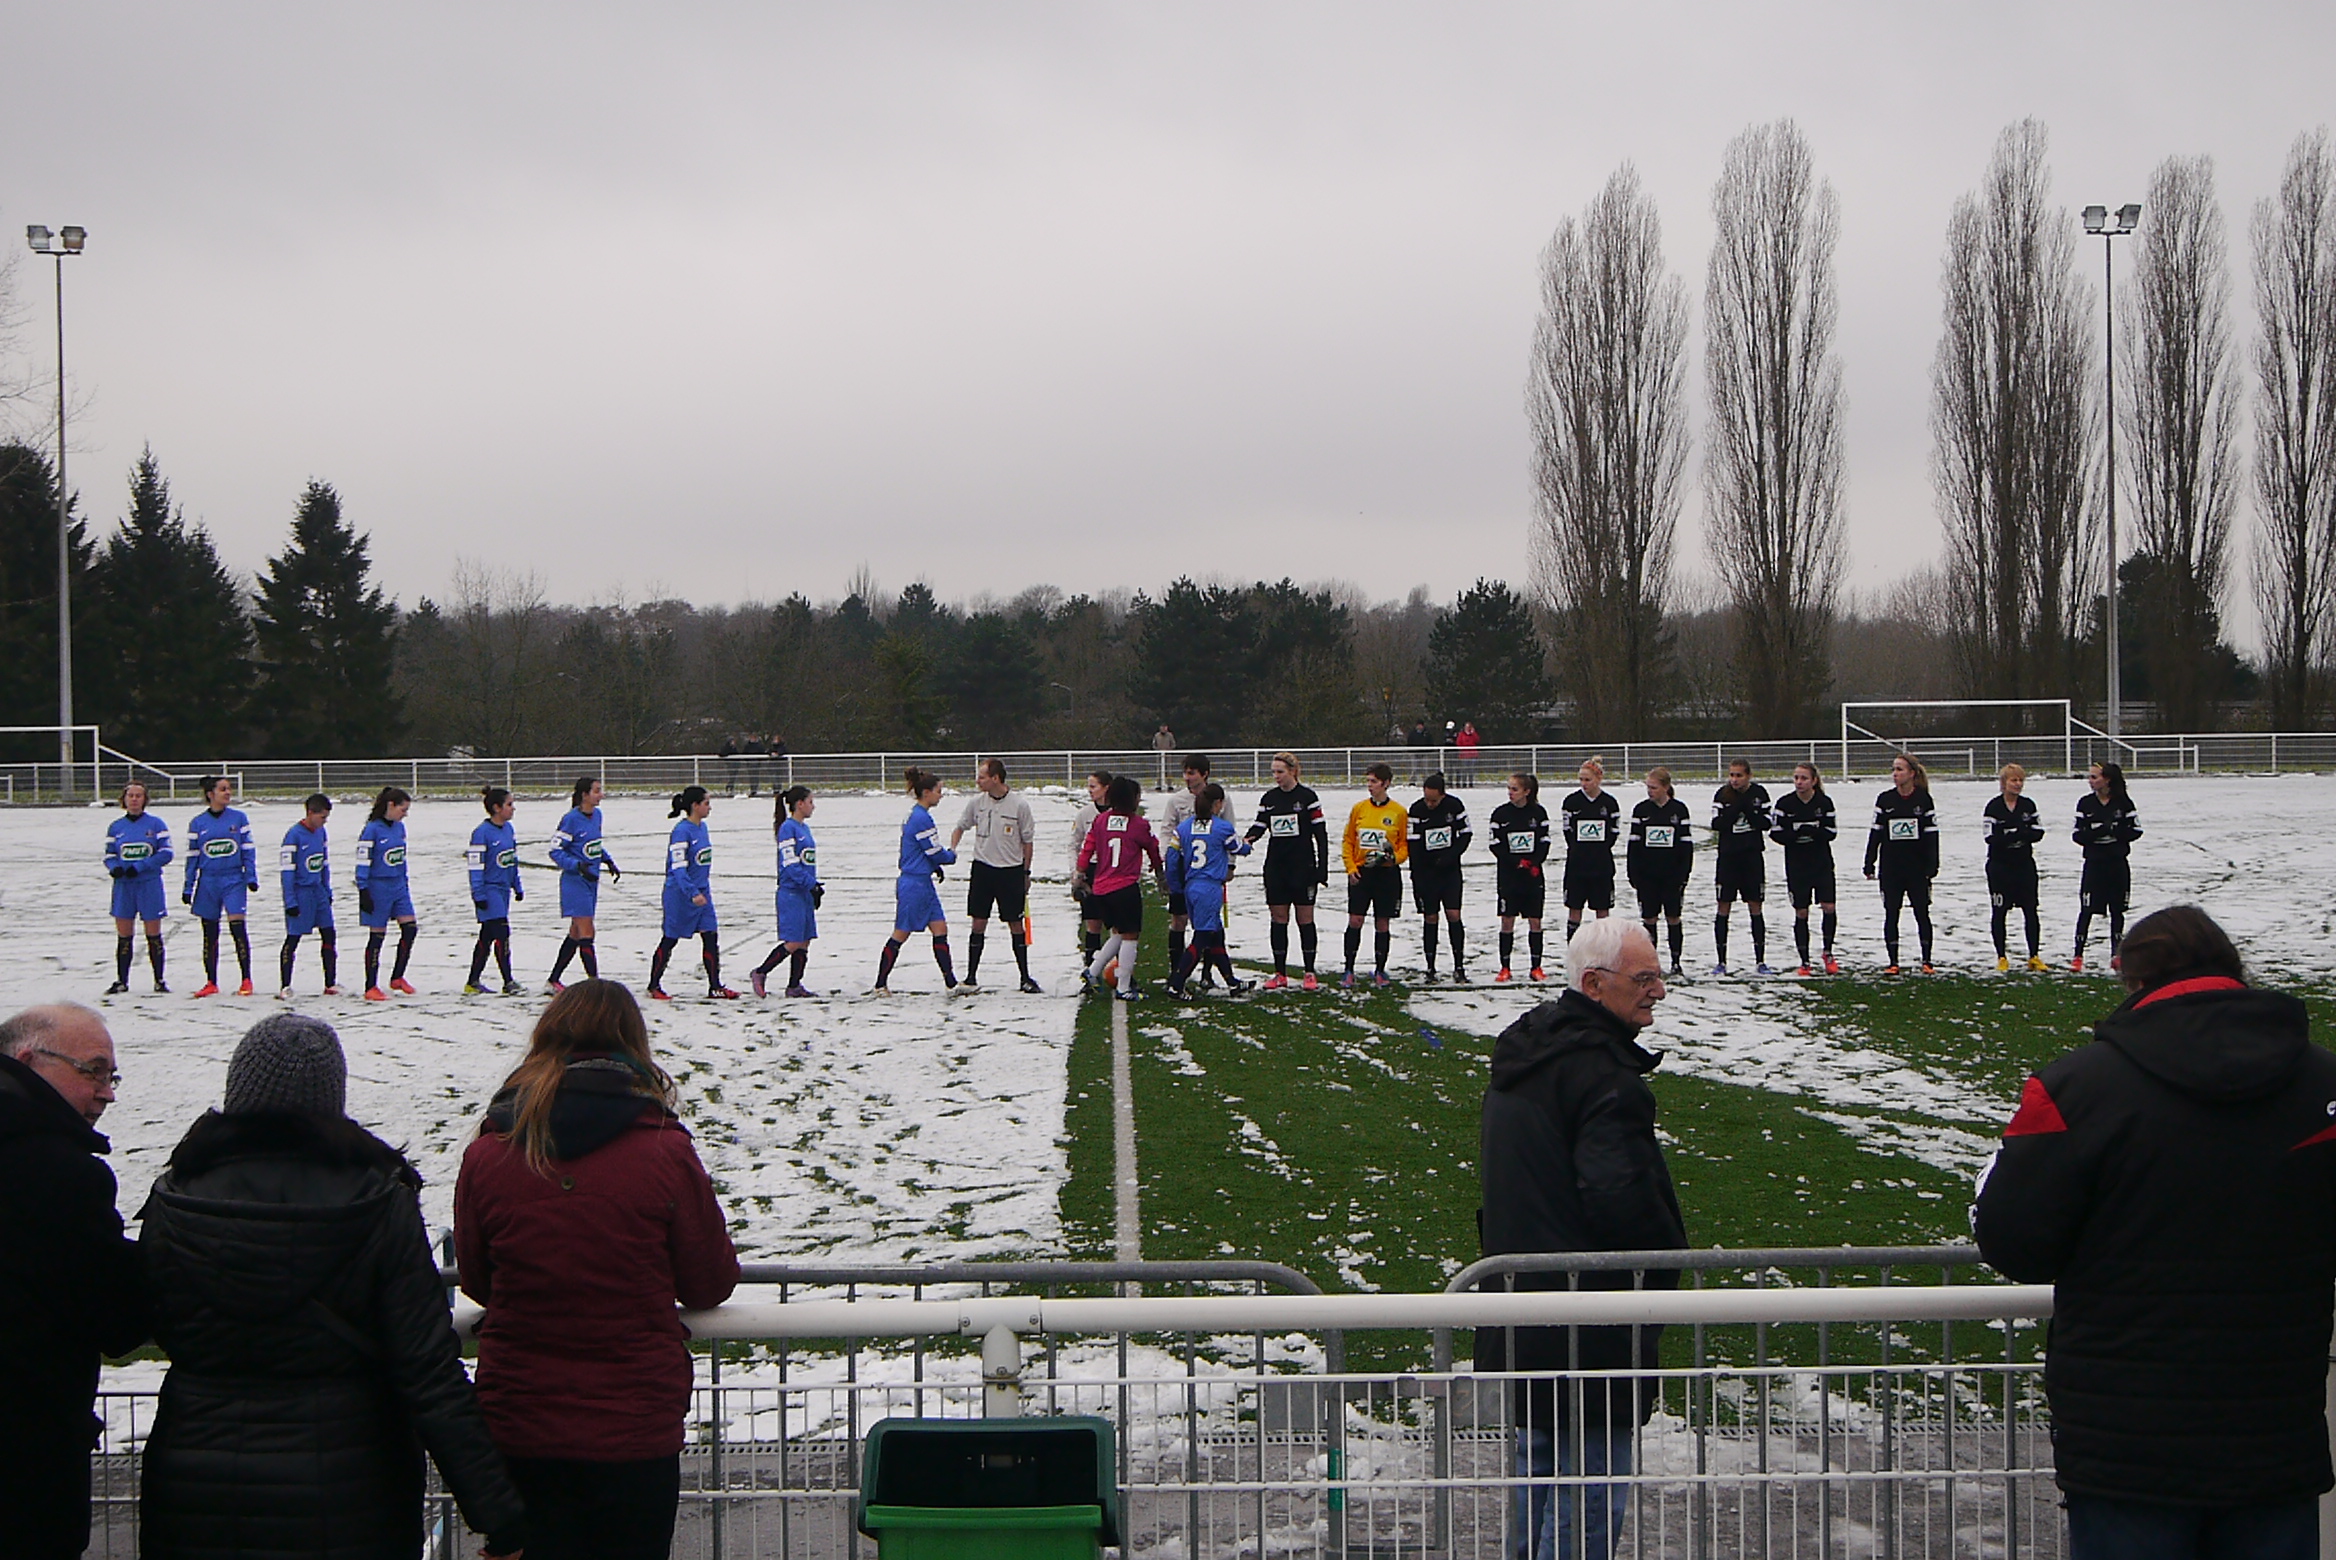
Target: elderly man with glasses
[(1570, 1163), (69, 1287)]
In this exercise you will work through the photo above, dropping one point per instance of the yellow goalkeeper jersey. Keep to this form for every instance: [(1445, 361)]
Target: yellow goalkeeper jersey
[(1375, 834)]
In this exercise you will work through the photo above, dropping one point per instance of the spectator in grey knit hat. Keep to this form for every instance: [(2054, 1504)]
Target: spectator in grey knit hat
[(288, 1061), (292, 1282)]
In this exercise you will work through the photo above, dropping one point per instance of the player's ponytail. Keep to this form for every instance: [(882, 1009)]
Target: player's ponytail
[(919, 781), (493, 796), (1531, 782), (1207, 800), (212, 783), (1914, 765), (1595, 764), (1662, 777), (583, 787), (1125, 794), (2115, 775), (390, 796), (686, 798), (785, 805), (1816, 777)]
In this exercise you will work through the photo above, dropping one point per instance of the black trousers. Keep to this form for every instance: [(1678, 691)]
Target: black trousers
[(44, 1489), (598, 1510)]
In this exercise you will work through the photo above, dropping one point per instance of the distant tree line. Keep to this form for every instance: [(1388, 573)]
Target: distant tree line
[(2017, 606)]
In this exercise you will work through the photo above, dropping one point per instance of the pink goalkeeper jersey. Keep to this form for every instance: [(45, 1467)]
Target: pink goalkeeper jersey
[(1113, 856)]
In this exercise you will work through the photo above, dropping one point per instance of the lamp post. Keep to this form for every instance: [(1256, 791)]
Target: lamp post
[(65, 241), (2098, 220)]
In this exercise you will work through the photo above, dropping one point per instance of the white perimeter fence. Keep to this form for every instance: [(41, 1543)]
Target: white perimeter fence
[(659, 775), (1883, 1402)]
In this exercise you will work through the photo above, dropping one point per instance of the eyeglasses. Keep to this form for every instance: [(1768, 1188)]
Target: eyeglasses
[(1644, 980), (98, 1069)]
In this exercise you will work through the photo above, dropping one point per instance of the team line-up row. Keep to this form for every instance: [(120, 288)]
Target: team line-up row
[(1191, 854)]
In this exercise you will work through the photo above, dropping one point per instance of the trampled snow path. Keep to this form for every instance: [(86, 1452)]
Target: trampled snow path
[(914, 1127)]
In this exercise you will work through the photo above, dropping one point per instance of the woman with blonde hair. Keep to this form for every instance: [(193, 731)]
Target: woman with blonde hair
[(1902, 848), (582, 1219), (1590, 819), (2012, 828)]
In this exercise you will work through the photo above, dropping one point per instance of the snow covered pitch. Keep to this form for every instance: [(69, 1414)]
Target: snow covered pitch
[(916, 1127)]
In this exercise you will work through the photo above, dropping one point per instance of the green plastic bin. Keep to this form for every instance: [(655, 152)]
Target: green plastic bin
[(990, 1489)]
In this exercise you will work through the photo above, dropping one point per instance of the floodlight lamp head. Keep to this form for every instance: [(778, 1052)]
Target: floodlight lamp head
[(2128, 217), (38, 237), (2096, 218), (75, 237)]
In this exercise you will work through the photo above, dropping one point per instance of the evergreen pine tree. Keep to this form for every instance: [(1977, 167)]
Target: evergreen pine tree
[(176, 665), (1485, 663), (326, 638), (28, 599), (1195, 661)]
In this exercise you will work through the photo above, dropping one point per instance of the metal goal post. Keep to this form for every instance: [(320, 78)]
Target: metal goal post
[(1871, 727)]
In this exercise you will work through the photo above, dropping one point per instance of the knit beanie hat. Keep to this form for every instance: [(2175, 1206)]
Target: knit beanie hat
[(288, 1061)]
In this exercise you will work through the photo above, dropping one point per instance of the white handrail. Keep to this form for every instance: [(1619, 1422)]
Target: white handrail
[(773, 1321)]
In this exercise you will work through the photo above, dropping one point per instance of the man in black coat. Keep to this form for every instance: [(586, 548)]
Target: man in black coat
[(2175, 1182), (69, 1288), (1569, 1162)]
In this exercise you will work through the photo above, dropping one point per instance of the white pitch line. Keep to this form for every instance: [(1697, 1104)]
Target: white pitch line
[(1127, 1230)]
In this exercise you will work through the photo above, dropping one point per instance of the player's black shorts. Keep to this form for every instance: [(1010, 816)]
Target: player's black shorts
[(1910, 885), (1743, 876), (1809, 882), (1435, 888), (1290, 879), (1176, 905), (1003, 889), (1589, 882), (2011, 881), (1662, 899), (2108, 883), (1121, 910), (1376, 892), (1521, 893)]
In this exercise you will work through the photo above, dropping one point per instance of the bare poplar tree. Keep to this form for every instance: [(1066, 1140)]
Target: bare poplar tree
[(1772, 462), (2014, 425), (2295, 429), (1605, 406), (2178, 412)]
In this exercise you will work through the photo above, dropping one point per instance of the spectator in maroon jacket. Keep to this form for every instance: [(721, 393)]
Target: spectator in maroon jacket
[(582, 1217)]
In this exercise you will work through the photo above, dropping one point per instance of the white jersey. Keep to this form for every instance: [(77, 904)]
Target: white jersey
[(1178, 809), (1083, 815), (1001, 827)]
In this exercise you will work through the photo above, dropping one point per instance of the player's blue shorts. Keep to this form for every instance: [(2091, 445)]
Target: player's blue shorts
[(216, 896), (394, 904), (683, 919), (797, 920), (919, 904), (579, 895), (140, 898), (497, 900), (310, 911), (1205, 903)]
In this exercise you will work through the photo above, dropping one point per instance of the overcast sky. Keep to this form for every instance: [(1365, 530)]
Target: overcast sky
[(726, 301)]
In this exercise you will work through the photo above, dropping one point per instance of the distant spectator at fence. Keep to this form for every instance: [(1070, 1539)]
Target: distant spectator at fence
[(581, 1218), (1570, 1162), (69, 1289), (728, 753), (311, 1361), (2175, 1182)]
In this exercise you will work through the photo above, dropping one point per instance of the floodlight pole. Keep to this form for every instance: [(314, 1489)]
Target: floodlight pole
[(2098, 220), (67, 241)]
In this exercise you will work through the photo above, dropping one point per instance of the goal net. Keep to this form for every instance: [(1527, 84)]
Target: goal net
[(1964, 736)]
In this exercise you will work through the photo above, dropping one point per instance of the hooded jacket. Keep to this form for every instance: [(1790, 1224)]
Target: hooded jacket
[(2175, 1181), (311, 1357), (582, 1354), (69, 1292), (1569, 1162)]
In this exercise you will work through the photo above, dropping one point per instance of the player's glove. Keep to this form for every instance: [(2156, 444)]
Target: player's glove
[(252, 887), (292, 909), (120, 872), (187, 898), (616, 872), (591, 872), (480, 905), (1533, 868), (364, 901), (818, 894), (1078, 885), (518, 891)]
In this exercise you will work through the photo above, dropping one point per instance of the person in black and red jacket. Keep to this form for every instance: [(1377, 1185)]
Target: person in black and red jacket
[(2175, 1182)]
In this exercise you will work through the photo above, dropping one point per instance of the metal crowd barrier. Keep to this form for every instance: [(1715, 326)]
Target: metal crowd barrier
[(1883, 1402), (657, 775)]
